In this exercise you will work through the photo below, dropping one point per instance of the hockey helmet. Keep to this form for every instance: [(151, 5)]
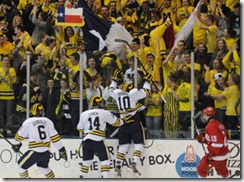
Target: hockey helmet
[(37, 109), (208, 113), (96, 101)]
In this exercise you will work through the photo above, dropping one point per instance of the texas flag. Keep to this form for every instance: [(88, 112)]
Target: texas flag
[(100, 34), (70, 17)]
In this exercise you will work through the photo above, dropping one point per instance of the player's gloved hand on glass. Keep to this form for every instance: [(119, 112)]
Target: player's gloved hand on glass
[(63, 153), (16, 148)]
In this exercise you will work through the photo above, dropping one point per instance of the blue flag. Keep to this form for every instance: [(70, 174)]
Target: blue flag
[(100, 33)]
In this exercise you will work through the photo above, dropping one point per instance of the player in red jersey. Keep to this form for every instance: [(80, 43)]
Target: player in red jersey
[(217, 145)]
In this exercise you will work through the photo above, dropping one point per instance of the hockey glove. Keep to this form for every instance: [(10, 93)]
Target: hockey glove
[(63, 154), (201, 138), (147, 77), (16, 148), (118, 75)]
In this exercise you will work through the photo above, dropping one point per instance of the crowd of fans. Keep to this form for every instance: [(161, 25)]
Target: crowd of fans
[(28, 27)]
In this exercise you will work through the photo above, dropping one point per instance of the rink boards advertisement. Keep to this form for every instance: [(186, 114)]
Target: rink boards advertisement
[(161, 159)]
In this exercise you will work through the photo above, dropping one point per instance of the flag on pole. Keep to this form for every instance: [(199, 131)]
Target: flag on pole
[(100, 33), (70, 17), (186, 29)]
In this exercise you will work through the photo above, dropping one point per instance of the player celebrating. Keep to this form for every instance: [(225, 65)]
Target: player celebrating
[(92, 124), (127, 99), (41, 132), (217, 144)]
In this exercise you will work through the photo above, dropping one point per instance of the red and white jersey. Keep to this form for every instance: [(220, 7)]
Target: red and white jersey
[(41, 132), (127, 102), (217, 141), (93, 123)]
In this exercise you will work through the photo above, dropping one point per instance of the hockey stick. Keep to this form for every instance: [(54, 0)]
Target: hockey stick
[(197, 130), (78, 150), (1, 135), (114, 133), (124, 41), (237, 173)]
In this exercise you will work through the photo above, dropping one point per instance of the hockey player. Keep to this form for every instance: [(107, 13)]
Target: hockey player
[(127, 99), (217, 145), (41, 132), (92, 125)]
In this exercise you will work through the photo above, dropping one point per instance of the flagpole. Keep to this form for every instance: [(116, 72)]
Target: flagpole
[(81, 89)]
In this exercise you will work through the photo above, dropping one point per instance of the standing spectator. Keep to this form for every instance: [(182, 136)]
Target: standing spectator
[(41, 132), (181, 47), (105, 14), (94, 135), (220, 52), (183, 95), (7, 81), (41, 70), (22, 98), (75, 99), (10, 11), (113, 9), (171, 107), (131, 18), (154, 114), (62, 111), (219, 105), (61, 72), (4, 51), (49, 102), (22, 34), (70, 37), (39, 20), (95, 89), (232, 60), (144, 15), (152, 68), (169, 65), (218, 67), (217, 144), (231, 94), (234, 20), (212, 32), (229, 37), (221, 17), (127, 101), (84, 55)]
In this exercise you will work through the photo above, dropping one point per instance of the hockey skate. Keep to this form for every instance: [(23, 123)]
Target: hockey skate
[(133, 170), (117, 170)]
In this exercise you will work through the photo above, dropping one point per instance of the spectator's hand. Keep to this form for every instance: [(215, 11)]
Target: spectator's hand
[(36, 88), (206, 67)]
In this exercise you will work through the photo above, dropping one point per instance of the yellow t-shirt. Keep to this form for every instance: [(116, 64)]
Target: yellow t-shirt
[(218, 104), (183, 16), (153, 110), (231, 94), (199, 35), (184, 94), (211, 38)]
